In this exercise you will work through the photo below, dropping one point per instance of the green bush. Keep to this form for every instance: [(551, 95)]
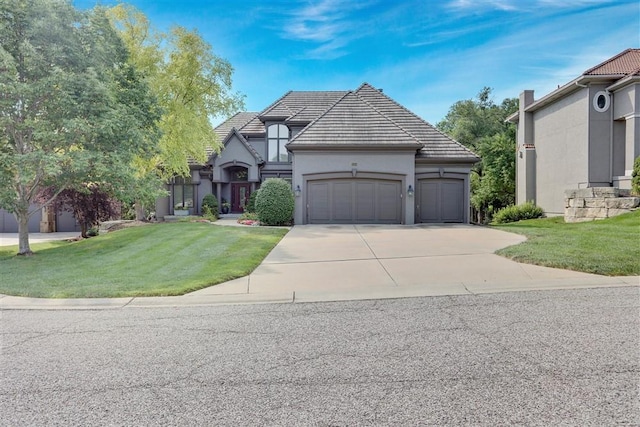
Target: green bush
[(210, 207), (251, 205), (515, 213), (635, 177), (248, 216), (274, 202)]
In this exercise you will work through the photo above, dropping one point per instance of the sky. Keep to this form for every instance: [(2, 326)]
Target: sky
[(425, 54)]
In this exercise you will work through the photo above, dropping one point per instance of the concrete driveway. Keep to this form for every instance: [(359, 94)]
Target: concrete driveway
[(337, 262), (347, 262)]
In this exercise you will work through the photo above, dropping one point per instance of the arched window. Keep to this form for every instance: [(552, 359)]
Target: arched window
[(278, 137)]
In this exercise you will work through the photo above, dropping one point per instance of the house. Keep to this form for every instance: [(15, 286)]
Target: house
[(46, 221), (350, 156), (583, 134)]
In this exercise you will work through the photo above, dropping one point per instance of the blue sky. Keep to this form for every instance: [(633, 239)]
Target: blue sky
[(426, 54)]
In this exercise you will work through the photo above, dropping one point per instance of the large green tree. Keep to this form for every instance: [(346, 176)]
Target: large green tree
[(191, 83), (480, 125), (72, 110)]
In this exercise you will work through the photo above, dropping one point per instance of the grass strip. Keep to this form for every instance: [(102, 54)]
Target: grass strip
[(608, 247)]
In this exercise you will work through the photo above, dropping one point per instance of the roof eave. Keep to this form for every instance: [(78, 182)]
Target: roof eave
[(573, 86), (342, 147), (426, 159), (634, 78)]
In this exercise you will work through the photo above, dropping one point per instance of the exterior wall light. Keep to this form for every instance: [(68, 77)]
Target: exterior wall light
[(298, 191), (410, 191)]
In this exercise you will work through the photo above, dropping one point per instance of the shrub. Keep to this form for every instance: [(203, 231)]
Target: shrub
[(210, 201), (515, 213), (274, 202), (635, 177), (251, 205), (210, 207)]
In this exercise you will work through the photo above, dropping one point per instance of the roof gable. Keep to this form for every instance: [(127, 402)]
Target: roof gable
[(353, 122), (230, 136), (435, 143)]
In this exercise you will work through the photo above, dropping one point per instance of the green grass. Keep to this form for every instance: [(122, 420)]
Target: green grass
[(161, 259), (609, 247)]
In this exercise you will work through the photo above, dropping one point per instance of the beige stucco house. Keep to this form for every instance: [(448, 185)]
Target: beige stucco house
[(350, 156), (584, 134)]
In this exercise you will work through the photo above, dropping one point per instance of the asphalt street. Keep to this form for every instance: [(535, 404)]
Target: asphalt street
[(567, 357)]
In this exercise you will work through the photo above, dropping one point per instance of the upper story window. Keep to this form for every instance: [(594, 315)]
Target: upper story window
[(278, 137), (601, 101)]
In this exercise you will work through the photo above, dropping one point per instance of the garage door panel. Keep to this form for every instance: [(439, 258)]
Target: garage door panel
[(429, 202), (365, 201), (318, 202), (350, 201), (452, 201), (341, 203), (390, 201), (441, 200)]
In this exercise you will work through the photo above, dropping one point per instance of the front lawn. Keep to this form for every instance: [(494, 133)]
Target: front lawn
[(159, 259), (609, 247)]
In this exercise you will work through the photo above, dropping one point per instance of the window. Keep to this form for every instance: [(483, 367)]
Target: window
[(601, 101), (183, 194), (278, 137)]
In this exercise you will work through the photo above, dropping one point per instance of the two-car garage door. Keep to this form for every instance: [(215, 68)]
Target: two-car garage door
[(377, 201), (353, 201)]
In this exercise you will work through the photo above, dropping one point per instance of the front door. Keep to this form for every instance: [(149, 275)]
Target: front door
[(239, 196)]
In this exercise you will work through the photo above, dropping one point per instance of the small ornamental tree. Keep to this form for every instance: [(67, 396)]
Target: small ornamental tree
[(89, 206), (274, 202)]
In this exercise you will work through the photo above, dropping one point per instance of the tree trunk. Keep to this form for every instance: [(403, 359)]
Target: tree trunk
[(23, 233), (139, 207)]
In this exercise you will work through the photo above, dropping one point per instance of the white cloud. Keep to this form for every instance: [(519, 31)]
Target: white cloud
[(330, 24)]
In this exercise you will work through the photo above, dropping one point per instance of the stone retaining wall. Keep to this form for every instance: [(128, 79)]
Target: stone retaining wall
[(588, 204)]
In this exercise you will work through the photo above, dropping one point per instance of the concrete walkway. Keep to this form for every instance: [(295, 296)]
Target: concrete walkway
[(345, 262), (10, 239)]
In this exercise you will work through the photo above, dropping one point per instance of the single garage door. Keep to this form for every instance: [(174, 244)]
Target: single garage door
[(441, 200), (354, 201)]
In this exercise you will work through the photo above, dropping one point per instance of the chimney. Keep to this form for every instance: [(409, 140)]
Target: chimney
[(525, 125)]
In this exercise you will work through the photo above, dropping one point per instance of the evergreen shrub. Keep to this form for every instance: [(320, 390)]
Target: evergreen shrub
[(274, 202)]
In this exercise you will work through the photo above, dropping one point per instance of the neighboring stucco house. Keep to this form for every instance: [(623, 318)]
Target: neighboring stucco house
[(351, 157), (56, 221), (584, 134)]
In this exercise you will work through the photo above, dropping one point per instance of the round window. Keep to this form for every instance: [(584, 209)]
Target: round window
[(601, 101)]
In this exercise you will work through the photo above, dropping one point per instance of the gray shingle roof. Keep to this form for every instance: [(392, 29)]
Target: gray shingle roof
[(435, 143), (353, 122), (237, 121), (295, 106), (365, 117)]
